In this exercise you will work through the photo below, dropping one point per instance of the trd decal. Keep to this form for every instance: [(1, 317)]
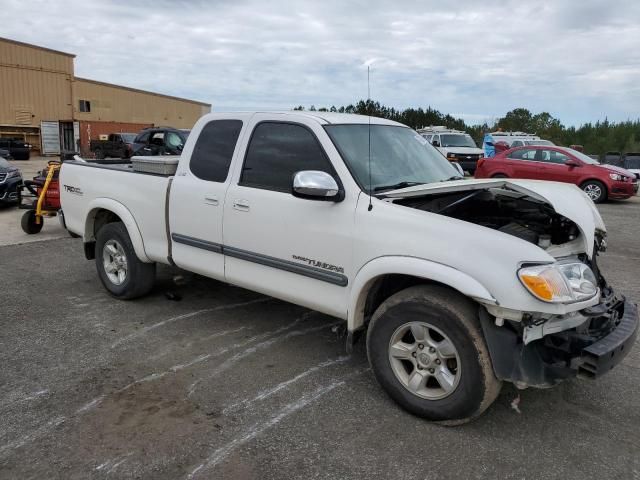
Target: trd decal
[(74, 190), (315, 263)]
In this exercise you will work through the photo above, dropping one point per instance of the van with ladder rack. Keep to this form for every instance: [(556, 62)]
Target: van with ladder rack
[(455, 145)]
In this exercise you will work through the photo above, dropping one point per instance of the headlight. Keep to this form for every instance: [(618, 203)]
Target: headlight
[(451, 156), (617, 176), (13, 173), (560, 282)]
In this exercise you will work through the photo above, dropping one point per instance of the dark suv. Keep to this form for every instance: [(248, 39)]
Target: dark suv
[(18, 149), (10, 178), (160, 141)]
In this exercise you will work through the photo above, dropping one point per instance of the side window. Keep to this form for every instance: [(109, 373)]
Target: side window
[(555, 157), (516, 143), (213, 151), (523, 154), (158, 139), (277, 151), (174, 141), (144, 138)]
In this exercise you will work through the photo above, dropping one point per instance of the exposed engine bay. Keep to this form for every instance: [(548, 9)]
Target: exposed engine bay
[(506, 211)]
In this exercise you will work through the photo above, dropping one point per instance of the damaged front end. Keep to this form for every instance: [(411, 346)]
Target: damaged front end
[(593, 329), (592, 348)]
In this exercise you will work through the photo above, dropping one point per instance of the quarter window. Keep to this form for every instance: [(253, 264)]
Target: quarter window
[(277, 151), (214, 149)]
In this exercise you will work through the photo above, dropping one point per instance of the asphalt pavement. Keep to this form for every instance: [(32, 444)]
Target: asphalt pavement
[(201, 379)]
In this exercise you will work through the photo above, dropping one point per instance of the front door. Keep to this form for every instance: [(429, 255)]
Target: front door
[(555, 168), (197, 197), (299, 250)]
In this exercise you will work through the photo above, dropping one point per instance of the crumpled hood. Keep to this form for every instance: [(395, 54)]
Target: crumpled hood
[(565, 198)]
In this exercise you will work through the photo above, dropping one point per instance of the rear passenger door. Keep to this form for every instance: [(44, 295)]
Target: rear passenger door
[(523, 163), (197, 196)]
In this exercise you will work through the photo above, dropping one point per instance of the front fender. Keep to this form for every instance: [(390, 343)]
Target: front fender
[(124, 214), (416, 267)]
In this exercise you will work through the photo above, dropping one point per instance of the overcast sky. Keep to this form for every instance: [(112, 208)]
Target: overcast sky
[(578, 60)]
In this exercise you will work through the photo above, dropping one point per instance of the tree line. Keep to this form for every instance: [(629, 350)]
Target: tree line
[(596, 138)]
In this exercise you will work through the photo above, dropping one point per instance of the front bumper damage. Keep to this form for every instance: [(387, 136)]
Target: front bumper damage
[(589, 350)]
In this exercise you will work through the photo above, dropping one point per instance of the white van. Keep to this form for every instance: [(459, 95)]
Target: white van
[(456, 145), (519, 139)]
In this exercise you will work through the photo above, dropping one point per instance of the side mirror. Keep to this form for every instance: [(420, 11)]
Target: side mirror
[(316, 185), (435, 143), (572, 163)]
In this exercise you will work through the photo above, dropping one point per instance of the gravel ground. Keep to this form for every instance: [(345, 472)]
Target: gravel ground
[(228, 384)]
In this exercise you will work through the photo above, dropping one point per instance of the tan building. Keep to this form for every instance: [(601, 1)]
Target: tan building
[(42, 101)]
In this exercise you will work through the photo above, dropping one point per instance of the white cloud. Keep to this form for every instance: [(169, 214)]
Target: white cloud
[(577, 60)]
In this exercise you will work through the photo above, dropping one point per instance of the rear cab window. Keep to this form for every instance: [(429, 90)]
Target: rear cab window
[(214, 149)]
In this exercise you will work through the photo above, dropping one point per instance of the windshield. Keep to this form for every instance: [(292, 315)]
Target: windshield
[(465, 140), (581, 156), (539, 142), (128, 137), (399, 156)]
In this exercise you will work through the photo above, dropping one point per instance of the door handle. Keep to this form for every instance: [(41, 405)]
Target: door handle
[(210, 199), (242, 205)]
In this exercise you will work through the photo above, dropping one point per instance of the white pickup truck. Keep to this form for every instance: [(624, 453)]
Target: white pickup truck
[(459, 284)]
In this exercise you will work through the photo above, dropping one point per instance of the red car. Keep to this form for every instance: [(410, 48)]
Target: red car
[(561, 164)]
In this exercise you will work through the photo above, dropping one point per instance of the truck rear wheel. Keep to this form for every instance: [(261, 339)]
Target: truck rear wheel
[(427, 350), (119, 269)]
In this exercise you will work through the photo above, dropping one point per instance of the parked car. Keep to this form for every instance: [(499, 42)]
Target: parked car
[(359, 218), (10, 179), (119, 145), (561, 164), (457, 146), (160, 141), (19, 149), (631, 162)]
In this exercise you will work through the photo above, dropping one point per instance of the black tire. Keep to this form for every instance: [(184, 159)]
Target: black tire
[(73, 235), (28, 223), (499, 175), (592, 187), (139, 277), (99, 154), (456, 317)]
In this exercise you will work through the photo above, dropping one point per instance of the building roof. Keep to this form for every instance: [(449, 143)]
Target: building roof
[(137, 90), (30, 45)]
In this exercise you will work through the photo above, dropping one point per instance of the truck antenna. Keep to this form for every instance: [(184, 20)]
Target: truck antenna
[(369, 128)]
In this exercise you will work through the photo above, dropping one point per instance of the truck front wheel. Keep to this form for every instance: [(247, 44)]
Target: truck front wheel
[(426, 348), (119, 269)]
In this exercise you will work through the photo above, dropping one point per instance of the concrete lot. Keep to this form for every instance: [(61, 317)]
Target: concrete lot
[(228, 384)]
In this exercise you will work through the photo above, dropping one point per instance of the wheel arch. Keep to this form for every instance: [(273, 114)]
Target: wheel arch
[(382, 277), (594, 179), (106, 210)]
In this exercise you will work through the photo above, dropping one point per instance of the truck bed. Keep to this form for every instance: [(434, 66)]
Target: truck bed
[(87, 187)]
